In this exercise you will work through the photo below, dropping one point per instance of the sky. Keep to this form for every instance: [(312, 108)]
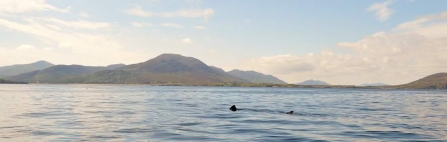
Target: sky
[(345, 42)]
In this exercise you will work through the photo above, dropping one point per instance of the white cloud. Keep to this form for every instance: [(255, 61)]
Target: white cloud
[(140, 25), (26, 47), (281, 64), (138, 11), (411, 51), (84, 15), (171, 25), (80, 24), (194, 13), (23, 6), (187, 41), (85, 47), (199, 27), (191, 13), (382, 10)]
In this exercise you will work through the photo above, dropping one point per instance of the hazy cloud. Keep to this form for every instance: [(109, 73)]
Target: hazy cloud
[(187, 41), (80, 24), (84, 15), (411, 51), (26, 47), (199, 27), (382, 10), (88, 47), (22, 6), (281, 64), (140, 25), (138, 11), (171, 25), (190, 13)]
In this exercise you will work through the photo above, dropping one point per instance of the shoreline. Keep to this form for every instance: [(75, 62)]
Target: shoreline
[(245, 86)]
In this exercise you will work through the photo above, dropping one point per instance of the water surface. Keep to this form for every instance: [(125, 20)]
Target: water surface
[(150, 113)]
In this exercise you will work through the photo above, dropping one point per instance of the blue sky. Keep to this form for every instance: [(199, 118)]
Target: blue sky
[(340, 41)]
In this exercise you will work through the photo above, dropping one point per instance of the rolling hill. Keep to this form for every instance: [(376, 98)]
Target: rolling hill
[(435, 81), (256, 77), (12, 70), (313, 82)]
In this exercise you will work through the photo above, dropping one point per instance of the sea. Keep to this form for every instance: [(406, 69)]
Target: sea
[(53, 112)]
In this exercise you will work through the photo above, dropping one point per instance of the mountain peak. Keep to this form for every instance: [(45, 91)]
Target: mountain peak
[(171, 56), (42, 63)]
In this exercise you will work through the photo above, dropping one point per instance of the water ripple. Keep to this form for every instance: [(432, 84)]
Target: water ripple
[(148, 113)]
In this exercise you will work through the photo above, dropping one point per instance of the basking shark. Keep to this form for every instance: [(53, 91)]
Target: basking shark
[(233, 108)]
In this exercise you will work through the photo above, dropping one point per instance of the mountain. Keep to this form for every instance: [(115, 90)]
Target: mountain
[(255, 77), (56, 74), (374, 84), (23, 68), (313, 82), (165, 68), (435, 81)]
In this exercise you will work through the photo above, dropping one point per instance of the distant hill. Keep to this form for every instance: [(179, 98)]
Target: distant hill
[(2, 81), (12, 70), (165, 68), (56, 74), (374, 84), (115, 66), (256, 77), (313, 82), (435, 81)]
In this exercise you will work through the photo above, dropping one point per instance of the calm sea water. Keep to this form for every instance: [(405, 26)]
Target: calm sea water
[(148, 113)]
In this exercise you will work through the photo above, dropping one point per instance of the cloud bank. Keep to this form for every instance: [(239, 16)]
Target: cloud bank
[(410, 51)]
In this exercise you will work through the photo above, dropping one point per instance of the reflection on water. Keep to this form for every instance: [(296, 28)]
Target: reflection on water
[(138, 113)]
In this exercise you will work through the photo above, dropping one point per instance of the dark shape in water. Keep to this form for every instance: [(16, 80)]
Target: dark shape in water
[(233, 108)]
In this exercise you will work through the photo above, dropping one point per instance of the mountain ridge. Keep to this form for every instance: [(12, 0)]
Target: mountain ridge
[(255, 77), (165, 68), (11, 70)]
